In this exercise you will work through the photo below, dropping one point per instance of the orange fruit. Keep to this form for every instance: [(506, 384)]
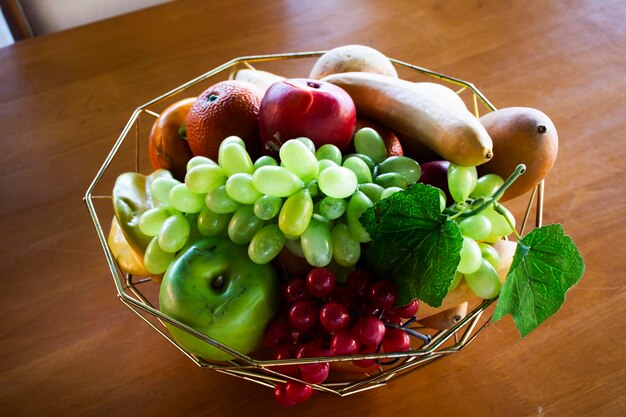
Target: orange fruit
[(166, 148), (228, 108)]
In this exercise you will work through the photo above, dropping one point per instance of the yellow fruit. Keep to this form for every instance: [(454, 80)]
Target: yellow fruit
[(128, 260), (350, 58), (520, 135), (417, 112)]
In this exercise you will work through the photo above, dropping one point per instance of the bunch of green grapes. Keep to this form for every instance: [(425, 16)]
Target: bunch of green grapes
[(482, 221), (312, 200)]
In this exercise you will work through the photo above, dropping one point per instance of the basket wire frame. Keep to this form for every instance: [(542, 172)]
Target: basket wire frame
[(267, 372)]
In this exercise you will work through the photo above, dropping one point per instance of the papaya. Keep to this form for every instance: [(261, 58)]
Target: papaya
[(520, 135)]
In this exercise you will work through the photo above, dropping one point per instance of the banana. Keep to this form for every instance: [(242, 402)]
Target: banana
[(420, 113), (261, 79)]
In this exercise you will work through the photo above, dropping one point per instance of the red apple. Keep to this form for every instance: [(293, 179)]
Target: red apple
[(300, 107)]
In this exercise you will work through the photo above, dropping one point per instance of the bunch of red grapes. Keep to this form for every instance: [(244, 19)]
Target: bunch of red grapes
[(325, 319)]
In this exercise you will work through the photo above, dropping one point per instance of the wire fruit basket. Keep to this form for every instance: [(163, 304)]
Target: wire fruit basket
[(140, 295)]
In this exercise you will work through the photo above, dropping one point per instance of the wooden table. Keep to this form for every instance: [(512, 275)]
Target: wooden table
[(68, 346)]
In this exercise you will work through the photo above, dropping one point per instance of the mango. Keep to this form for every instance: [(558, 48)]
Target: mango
[(520, 135)]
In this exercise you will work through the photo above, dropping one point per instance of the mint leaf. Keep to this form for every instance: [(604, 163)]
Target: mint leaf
[(413, 244), (545, 265)]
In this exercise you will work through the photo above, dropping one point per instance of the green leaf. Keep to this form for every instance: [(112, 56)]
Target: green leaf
[(413, 244), (545, 265)]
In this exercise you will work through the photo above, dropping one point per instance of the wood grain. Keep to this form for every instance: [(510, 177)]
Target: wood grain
[(69, 348)]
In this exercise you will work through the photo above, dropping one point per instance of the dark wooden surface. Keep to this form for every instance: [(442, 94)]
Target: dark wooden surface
[(69, 347)]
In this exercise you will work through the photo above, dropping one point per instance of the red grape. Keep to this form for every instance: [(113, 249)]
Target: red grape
[(368, 310), (303, 315), (343, 296), (295, 290), (370, 330), (344, 343), (359, 281), (297, 391), (396, 340), (393, 318), (277, 333), (281, 398), (320, 282), (285, 352), (366, 363), (407, 311), (334, 316), (314, 373), (383, 294)]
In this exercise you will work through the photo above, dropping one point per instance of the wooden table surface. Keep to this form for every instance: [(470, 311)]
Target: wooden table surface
[(69, 347)]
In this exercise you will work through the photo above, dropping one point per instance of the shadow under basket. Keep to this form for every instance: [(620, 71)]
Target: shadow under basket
[(140, 294)]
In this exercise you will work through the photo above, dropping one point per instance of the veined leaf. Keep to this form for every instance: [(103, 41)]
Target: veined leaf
[(413, 244), (546, 264)]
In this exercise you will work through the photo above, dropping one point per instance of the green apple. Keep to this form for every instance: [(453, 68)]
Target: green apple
[(214, 287)]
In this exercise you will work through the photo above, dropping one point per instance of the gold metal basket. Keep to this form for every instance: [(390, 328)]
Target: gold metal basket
[(141, 296)]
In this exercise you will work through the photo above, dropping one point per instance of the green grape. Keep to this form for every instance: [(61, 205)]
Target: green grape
[(294, 246), (267, 207), (490, 254), (455, 281), (346, 249), (487, 185), (297, 158), (356, 207), (199, 160), (314, 188), (332, 208), (234, 158), (442, 199), (276, 181), (391, 179), (155, 259), (160, 189), (499, 226), (484, 282), (185, 200), (368, 142), (205, 178), (409, 168), (478, 227), (337, 182), (470, 256), (360, 169), (244, 225), (211, 223), (266, 244), (370, 163), (295, 215), (373, 191), (220, 202), (241, 188), (174, 233), (194, 232), (264, 160), (326, 163), (151, 220), (389, 191), (461, 181), (308, 143), (317, 244), (330, 152), (232, 139)]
